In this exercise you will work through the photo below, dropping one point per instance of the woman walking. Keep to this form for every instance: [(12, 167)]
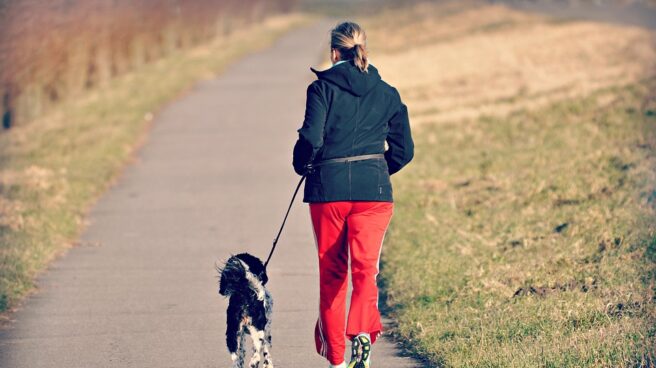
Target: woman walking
[(350, 114)]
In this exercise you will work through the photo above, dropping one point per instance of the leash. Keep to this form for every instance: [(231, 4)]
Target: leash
[(275, 241), (310, 167)]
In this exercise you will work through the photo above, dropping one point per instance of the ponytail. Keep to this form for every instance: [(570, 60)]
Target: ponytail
[(351, 41), (360, 58)]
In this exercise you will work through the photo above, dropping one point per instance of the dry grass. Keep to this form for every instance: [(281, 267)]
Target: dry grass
[(51, 50), (524, 234), (52, 168), (453, 61)]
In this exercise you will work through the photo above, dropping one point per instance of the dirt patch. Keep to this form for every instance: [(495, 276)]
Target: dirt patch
[(571, 285)]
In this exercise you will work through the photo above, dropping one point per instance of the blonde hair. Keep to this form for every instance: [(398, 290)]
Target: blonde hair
[(351, 42)]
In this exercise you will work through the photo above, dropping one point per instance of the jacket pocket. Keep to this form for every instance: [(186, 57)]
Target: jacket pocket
[(384, 182), (313, 186)]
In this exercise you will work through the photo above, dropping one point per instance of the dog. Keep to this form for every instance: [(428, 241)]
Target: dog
[(242, 279)]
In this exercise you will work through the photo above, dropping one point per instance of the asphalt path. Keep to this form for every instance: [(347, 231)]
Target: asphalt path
[(214, 178)]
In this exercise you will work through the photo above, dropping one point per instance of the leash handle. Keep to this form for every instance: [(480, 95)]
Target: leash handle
[(275, 241)]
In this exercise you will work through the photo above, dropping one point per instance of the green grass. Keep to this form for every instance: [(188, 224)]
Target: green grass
[(53, 168), (530, 241)]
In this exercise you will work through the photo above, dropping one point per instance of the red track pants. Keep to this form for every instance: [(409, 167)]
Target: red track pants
[(340, 228)]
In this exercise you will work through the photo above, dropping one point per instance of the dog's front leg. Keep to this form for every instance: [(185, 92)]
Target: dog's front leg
[(266, 343), (241, 351), (234, 334), (265, 352), (258, 338), (268, 311)]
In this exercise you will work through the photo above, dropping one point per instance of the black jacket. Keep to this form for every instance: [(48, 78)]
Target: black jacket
[(351, 113)]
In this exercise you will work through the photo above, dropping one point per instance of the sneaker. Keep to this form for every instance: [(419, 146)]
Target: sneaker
[(360, 352), (342, 365)]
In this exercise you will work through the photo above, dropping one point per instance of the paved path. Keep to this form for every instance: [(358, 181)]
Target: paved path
[(214, 179)]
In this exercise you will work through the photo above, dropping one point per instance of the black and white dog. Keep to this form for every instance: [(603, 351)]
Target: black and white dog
[(243, 277)]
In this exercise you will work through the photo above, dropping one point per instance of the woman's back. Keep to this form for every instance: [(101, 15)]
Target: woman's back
[(360, 104), (351, 112)]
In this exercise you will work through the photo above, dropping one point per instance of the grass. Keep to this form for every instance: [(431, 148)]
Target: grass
[(535, 237), (459, 60), (525, 228), (53, 168)]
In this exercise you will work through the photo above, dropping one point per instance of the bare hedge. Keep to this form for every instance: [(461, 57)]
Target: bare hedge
[(50, 49)]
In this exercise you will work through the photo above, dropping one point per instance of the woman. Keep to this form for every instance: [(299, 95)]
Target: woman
[(350, 114)]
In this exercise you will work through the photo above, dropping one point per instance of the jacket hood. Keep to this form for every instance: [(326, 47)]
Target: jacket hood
[(347, 76)]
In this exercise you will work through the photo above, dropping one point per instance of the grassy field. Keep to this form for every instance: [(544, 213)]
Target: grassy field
[(53, 168), (525, 229)]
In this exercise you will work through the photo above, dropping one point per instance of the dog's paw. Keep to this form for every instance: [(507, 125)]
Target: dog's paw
[(236, 361), (267, 363), (255, 361)]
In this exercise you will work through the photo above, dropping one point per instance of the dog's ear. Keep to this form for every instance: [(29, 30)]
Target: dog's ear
[(223, 287), (231, 272), (255, 265), (223, 283)]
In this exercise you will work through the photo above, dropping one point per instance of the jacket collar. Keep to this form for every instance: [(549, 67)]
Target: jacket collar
[(347, 76)]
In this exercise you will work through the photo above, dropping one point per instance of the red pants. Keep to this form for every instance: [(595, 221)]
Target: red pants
[(340, 228)]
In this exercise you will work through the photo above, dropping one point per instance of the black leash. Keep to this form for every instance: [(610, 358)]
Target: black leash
[(309, 168), (275, 241)]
